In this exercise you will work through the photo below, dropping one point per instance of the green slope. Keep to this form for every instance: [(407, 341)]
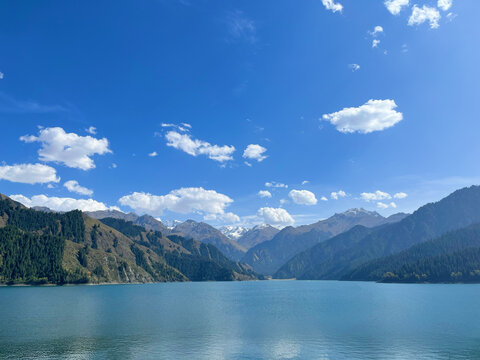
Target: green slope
[(49, 247), (432, 261)]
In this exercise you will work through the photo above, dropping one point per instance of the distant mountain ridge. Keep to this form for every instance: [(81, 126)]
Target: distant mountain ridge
[(208, 234), (267, 257), (256, 235), (147, 221), (342, 254), (233, 232)]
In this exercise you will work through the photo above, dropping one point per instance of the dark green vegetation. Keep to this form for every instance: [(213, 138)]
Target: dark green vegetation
[(267, 257), (38, 247), (340, 256), (452, 257)]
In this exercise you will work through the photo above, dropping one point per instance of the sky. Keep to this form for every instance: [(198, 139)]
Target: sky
[(229, 112)]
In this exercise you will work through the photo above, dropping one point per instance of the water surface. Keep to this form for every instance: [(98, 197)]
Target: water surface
[(241, 320)]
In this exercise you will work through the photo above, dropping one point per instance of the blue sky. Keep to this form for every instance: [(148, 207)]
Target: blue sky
[(279, 75)]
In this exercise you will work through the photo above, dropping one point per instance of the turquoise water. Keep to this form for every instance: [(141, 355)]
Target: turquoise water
[(241, 320)]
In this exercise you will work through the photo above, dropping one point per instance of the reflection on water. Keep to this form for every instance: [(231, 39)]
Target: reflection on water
[(247, 320)]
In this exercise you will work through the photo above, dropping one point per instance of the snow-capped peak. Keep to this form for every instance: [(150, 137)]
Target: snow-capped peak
[(233, 232)]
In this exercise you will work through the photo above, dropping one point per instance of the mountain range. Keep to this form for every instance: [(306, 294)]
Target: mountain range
[(440, 242), (340, 256), (268, 256), (49, 247)]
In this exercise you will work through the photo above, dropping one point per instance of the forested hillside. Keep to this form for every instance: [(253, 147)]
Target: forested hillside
[(47, 247), (327, 260), (448, 258)]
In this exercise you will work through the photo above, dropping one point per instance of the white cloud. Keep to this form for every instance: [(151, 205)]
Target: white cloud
[(451, 16), (275, 216), (196, 147), (426, 13), (225, 218), (28, 173), (375, 43), (374, 115), (274, 184), (382, 205), (395, 6), (153, 154), (376, 30), (354, 67), (377, 195), (183, 201), (400, 195), (332, 5), (444, 4), (182, 127), (255, 152), (74, 186), (338, 194), (302, 197), (324, 198), (265, 194), (68, 148), (305, 182), (61, 204), (91, 130), (1, 75)]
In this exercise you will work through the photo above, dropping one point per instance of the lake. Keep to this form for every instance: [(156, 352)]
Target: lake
[(241, 320)]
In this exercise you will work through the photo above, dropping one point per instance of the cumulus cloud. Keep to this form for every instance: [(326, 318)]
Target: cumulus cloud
[(376, 30), (377, 195), (374, 115), (255, 152), (395, 6), (265, 194), (196, 147), (338, 194), (275, 216), (354, 67), (1, 75), (444, 4), (375, 43), (274, 184), (400, 195), (74, 186), (324, 198), (69, 149), (153, 154), (226, 217), (423, 14), (91, 130), (382, 205), (305, 182), (332, 5), (61, 204), (29, 173), (183, 201), (302, 197)]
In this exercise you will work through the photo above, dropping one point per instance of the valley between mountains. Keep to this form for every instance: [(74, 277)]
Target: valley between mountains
[(440, 242)]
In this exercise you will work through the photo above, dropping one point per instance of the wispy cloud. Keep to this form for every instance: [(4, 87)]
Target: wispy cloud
[(240, 27), (11, 105)]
